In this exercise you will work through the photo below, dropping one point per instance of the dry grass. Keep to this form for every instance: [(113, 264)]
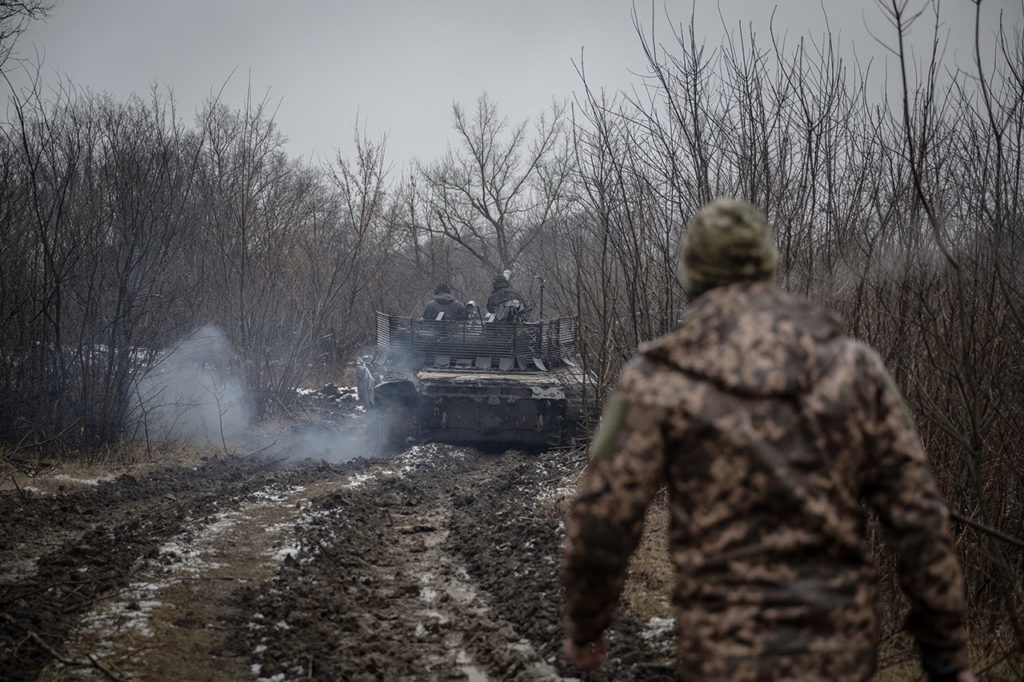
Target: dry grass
[(50, 471), (901, 672), (339, 374), (650, 576)]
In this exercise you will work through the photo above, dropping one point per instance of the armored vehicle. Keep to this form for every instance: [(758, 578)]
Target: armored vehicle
[(475, 382)]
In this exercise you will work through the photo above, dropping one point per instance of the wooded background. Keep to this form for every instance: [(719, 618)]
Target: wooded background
[(897, 204)]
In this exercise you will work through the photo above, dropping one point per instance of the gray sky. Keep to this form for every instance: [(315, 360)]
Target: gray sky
[(399, 64)]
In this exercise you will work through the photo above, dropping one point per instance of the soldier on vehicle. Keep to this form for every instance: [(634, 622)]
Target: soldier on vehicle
[(504, 301), (444, 306), (769, 426), (501, 291)]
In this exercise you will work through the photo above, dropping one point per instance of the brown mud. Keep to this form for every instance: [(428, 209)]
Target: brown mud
[(438, 563)]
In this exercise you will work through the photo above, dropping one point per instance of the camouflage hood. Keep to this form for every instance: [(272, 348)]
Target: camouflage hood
[(752, 339)]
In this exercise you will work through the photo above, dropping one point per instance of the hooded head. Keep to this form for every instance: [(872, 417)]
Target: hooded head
[(499, 282), (442, 288), (726, 242)]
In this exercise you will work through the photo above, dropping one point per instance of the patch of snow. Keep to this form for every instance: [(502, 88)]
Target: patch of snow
[(130, 611), (224, 521), (656, 627), (282, 554), (187, 557), (358, 479), (270, 496), (472, 673), (280, 527), (436, 615), (83, 481), (421, 453), (547, 493)]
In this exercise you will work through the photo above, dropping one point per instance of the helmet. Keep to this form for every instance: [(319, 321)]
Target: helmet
[(726, 242)]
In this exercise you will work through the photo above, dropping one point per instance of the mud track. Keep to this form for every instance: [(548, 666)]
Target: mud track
[(439, 563)]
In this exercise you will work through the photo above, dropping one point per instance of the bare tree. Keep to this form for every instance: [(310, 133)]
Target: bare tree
[(500, 188), (15, 16), (99, 206), (903, 214), (348, 254)]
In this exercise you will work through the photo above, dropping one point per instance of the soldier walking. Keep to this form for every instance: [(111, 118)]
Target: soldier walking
[(769, 427)]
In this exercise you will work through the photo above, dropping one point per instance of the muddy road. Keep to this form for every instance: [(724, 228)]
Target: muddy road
[(437, 563)]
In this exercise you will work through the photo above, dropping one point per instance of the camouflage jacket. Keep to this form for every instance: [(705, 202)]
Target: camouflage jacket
[(770, 428), (500, 295)]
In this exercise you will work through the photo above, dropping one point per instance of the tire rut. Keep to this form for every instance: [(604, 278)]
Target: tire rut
[(439, 563), (380, 595), (93, 544)]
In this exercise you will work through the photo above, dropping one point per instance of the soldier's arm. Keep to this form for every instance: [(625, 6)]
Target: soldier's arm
[(606, 520), (902, 491)]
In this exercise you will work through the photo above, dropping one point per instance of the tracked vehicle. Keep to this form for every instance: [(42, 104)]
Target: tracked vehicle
[(503, 384)]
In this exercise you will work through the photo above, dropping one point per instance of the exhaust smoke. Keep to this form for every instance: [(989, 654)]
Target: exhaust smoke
[(192, 393), (195, 393)]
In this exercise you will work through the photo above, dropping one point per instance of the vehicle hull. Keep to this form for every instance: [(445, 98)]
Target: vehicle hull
[(501, 402)]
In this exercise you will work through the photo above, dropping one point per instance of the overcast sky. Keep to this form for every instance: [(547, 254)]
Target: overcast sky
[(399, 64)]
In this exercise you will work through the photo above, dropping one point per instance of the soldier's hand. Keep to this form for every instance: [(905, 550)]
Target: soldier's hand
[(966, 676), (587, 656)]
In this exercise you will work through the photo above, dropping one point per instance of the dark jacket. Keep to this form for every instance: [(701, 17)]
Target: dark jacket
[(501, 293), (452, 308), (770, 428)]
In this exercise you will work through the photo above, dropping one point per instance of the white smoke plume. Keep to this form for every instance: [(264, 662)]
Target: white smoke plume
[(192, 393), (195, 393)]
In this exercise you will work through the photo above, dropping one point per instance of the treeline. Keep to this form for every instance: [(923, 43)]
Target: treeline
[(124, 230), (896, 202)]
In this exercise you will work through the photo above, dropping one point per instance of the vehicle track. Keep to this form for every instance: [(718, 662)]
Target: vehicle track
[(439, 563), (401, 605), (63, 555)]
